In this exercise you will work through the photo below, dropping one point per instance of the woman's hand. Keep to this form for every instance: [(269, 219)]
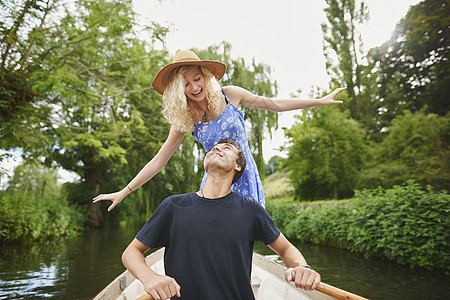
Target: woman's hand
[(329, 99), (115, 198)]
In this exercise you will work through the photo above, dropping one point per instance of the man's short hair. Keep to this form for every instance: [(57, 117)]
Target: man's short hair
[(241, 161)]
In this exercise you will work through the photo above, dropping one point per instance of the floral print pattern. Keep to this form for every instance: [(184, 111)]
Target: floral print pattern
[(230, 125)]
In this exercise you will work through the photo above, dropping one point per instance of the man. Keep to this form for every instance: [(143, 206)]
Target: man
[(209, 237)]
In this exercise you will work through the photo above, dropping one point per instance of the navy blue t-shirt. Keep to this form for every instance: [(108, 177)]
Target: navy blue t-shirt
[(209, 243)]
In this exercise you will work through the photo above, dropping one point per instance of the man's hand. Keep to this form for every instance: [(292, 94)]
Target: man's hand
[(303, 278), (162, 287)]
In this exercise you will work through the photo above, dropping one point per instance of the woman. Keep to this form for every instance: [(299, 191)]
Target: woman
[(195, 102)]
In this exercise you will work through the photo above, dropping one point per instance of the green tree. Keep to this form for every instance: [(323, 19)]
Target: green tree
[(342, 46), (275, 163), (105, 97), (255, 77), (326, 154), (35, 178), (88, 79), (414, 62), (416, 147), (22, 29)]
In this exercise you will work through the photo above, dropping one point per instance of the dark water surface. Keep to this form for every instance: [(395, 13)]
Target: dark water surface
[(78, 268)]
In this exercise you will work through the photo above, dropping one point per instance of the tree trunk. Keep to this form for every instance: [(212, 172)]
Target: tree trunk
[(96, 217)]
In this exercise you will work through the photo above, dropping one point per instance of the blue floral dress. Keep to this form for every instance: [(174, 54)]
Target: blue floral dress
[(230, 125)]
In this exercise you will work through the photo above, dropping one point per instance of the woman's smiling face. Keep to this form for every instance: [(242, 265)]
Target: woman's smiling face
[(194, 83)]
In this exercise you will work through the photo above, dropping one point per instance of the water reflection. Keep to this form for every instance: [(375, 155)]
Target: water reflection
[(78, 268), (30, 272), (75, 268), (372, 278)]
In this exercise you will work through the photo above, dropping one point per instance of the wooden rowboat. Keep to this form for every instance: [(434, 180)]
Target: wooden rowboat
[(267, 280)]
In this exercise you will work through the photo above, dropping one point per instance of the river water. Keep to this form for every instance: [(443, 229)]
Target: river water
[(78, 268)]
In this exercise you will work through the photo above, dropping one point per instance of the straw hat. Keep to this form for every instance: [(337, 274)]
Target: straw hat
[(186, 58)]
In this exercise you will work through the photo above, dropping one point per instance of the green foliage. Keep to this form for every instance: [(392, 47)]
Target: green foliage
[(26, 216), (33, 207), (326, 225), (404, 224), (416, 146), (342, 48), (35, 178), (21, 30), (326, 154), (414, 62), (275, 164), (79, 81), (282, 213)]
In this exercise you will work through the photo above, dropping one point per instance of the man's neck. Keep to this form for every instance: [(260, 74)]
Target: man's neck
[(216, 187)]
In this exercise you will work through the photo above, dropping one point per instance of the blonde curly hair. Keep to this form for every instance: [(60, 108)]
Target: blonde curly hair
[(176, 109)]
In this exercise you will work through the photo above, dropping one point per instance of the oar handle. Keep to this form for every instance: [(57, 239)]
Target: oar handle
[(337, 293), (145, 297), (322, 287)]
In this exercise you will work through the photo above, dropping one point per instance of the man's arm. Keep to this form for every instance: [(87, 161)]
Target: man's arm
[(159, 286), (304, 277)]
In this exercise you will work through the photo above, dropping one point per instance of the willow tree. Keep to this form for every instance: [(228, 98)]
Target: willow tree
[(255, 77), (78, 85)]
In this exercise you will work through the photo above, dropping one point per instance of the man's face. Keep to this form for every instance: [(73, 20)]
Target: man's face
[(222, 156)]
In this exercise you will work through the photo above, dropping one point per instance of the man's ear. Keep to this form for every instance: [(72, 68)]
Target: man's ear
[(238, 167)]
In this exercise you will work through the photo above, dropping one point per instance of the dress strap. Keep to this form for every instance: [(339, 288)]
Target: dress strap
[(226, 98)]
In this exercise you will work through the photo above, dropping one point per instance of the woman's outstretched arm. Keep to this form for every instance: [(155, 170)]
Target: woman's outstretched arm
[(238, 95), (155, 165)]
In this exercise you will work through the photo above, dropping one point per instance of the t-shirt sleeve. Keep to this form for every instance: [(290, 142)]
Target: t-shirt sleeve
[(156, 232), (265, 229)]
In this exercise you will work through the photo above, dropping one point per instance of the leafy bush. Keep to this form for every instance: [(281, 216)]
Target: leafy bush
[(405, 224), (32, 207), (282, 214), (416, 146), (26, 216)]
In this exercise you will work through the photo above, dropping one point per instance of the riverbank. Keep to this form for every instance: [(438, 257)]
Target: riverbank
[(404, 224), (79, 267)]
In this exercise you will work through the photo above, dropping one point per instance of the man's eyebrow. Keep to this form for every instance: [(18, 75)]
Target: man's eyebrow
[(231, 145)]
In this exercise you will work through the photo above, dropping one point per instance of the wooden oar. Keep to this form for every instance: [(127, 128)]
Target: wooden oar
[(145, 297), (322, 287), (337, 293)]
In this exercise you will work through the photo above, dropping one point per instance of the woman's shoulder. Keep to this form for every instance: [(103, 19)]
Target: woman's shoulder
[(233, 89), (236, 94)]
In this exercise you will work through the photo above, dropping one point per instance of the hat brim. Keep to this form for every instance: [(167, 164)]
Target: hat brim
[(162, 78)]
